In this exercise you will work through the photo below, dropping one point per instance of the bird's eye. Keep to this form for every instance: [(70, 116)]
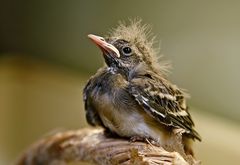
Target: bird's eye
[(127, 51)]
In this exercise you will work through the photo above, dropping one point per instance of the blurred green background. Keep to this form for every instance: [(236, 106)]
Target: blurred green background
[(46, 58)]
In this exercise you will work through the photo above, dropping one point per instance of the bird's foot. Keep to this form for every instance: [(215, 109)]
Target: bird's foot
[(137, 138), (143, 139)]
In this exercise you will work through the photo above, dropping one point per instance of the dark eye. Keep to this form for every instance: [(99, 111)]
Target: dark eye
[(127, 51)]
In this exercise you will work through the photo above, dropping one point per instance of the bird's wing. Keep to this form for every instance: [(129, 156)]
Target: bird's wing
[(164, 102), (92, 115)]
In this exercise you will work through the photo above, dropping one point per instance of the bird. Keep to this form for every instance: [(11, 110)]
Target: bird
[(131, 96)]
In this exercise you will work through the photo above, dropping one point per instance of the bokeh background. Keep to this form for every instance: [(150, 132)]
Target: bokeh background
[(46, 58)]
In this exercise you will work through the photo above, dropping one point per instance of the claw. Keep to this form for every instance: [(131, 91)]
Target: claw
[(137, 138)]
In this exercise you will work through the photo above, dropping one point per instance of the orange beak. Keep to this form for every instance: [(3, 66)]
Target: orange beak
[(104, 46)]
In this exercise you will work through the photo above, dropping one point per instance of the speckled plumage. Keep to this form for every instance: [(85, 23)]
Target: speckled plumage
[(132, 97)]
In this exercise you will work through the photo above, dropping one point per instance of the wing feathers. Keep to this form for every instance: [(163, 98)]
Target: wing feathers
[(164, 103)]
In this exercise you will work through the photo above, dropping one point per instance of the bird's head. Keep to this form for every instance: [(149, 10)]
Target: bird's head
[(127, 47)]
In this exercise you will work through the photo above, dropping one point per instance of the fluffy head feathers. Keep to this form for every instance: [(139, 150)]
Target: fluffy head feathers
[(140, 35)]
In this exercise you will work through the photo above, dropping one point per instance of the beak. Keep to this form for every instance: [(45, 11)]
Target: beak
[(104, 46)]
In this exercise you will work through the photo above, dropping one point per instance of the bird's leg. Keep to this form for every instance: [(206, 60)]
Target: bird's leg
[(148, 140), (137, 138)]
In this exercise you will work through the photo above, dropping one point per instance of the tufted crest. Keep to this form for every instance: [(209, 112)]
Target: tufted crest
[(140, 35)]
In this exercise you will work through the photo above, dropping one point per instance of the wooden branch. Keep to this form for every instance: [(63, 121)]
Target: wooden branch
[(91, 145)]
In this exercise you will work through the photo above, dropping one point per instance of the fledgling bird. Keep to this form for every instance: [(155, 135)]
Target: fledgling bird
[(131, 96)]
